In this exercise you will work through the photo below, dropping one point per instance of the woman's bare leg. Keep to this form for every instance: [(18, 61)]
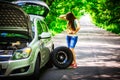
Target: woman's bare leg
[(74, 56)]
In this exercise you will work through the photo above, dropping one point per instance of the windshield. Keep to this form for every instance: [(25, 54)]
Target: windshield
[(13, 37)]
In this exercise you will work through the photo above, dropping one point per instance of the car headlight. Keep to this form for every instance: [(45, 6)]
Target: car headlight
[(21, 54)]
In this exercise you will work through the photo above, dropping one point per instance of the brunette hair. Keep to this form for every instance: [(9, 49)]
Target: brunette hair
[(70, 17)]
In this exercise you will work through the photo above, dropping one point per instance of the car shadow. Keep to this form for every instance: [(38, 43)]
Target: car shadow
[(80, 73), (42, 72)]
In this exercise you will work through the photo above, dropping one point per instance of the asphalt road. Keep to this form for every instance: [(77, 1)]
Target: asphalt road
[(97, 52)]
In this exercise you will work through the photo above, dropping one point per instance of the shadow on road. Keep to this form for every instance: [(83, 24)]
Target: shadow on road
[(93, 73), (42, 72), (81, 73)]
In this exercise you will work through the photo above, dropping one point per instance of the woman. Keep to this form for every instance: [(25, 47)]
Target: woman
[(73, 27)]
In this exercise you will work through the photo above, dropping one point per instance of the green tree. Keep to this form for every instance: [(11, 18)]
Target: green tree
[(58, 7), (105, 14)]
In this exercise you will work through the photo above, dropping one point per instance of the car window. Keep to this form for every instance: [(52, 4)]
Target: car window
[(44, 26), (33, 27), (33, 7), (39, 28)]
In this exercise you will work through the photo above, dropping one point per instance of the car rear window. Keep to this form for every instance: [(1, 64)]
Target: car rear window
[(33, 9)]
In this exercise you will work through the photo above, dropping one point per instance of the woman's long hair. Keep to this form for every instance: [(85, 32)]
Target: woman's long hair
[(70, 17)]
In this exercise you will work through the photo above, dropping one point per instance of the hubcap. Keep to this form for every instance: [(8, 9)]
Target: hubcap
[(62, 57)]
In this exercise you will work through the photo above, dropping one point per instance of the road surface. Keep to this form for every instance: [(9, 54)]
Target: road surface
[(97, 52)]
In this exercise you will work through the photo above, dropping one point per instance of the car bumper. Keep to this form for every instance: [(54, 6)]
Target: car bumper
[(16, 68)]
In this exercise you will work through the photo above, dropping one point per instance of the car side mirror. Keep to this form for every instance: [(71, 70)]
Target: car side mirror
[(44, 35)]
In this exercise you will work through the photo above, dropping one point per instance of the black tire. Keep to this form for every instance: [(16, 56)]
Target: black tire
[(36, 73), (49, 64), (62, 57)]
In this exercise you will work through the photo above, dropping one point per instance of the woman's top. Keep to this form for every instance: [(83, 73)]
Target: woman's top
[(69, 29)]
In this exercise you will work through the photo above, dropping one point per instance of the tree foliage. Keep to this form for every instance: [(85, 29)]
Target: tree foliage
[(104, 13), (59, 7)]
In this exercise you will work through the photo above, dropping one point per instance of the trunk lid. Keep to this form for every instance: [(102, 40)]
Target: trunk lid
[(39, 8)]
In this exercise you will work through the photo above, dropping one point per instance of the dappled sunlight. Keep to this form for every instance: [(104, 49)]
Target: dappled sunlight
[(97, 47), (85, 18), (97, 54), (92, 73)]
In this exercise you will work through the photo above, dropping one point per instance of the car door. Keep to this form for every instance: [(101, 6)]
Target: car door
[(47, 41), (44, 51)]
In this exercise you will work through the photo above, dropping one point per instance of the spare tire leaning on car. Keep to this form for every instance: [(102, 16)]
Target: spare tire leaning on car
[(62, 57)]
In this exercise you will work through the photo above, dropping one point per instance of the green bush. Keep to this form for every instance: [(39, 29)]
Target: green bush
[(58, 7), (105, 14)]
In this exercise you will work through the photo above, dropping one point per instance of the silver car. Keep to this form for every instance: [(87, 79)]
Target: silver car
[(25, 40)]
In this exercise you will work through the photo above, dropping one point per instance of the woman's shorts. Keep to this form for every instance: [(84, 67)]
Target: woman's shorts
[(71, 41)]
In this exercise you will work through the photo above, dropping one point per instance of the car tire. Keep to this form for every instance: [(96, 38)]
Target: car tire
[(62, 57), (36, 73), (49, 64)]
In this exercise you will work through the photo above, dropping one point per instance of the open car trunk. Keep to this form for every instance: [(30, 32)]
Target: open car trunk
[(33, 7), (14, 23)]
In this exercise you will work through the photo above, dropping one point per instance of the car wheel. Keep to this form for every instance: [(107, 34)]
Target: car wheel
[(37, 69), (62, 57), (49, 64)]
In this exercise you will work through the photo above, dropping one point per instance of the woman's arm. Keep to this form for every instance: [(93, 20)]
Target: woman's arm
[(63, 17)]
